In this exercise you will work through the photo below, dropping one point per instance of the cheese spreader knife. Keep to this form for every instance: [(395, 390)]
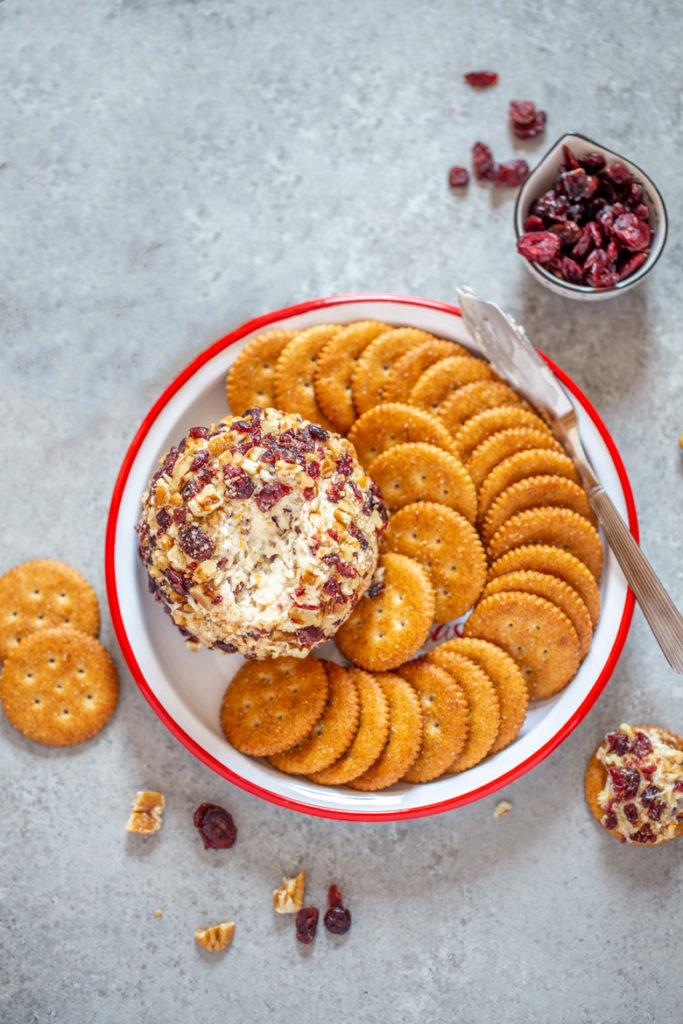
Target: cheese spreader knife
[(512, 355)]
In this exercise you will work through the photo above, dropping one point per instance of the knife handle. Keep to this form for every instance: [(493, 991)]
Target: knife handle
[(661, 613)]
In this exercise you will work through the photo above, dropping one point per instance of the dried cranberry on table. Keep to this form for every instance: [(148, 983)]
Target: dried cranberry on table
[(482, 158), (216, 827), (527, 122), (481, 79), (596, 211), (510, 175), (458, 177), (337, 918), (306, 922)]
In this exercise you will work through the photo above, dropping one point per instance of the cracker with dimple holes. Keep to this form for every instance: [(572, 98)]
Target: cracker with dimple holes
[(335, 366), (445, 714), (557, 562), (439, 381), (557, 526), (251, 380), (504, 443), (519, 466), (332, 734), (490, 421), (448, 546), (553, 589), (376, 363), (510, 684), (484, 705), (534, 632), (59, 687), (271, 705), (368, 743), (394, 423), (536, 492), (404, 739), (44, 594), (422, 472), (295, 373), (407, 370), (469, 399), (384, 631)]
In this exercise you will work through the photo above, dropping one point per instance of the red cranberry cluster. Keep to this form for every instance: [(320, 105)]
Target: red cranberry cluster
[(592, 227), (337, 918)]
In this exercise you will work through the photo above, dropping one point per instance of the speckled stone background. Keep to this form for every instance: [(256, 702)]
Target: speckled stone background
[(169, 169)]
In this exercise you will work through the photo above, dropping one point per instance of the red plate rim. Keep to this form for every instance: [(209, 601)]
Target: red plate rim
[(439, 807)]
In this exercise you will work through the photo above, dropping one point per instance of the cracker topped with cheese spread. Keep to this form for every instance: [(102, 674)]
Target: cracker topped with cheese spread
[(260, 533)]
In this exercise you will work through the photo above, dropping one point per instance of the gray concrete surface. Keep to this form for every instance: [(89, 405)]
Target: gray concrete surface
[(170, 169)]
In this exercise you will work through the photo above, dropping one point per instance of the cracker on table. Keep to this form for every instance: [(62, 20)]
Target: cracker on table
[(483, 702), (520, 465), (404, 739), (59, 687), (334, 369), (510, 684), (271, 705), (439, 381), (449, 548), (535, 492), (251, 379), (376, 362), (411, 365), (370, 738), (559, 527), (504, 443), (332, 734), (489, 421), (558, 562), (553, 589), (469, 399), (43, 594), (417, 471), (295, 373), (446, 717), (384, 631), (534, 632), (395, 423)]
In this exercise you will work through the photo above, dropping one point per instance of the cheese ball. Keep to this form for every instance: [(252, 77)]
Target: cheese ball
[(260, 533)]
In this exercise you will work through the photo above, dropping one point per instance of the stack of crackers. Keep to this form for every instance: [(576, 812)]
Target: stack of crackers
[(487, 516)]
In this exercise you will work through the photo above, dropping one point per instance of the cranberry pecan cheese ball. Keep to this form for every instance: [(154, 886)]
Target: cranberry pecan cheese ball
[(634, 784), (260, 533)]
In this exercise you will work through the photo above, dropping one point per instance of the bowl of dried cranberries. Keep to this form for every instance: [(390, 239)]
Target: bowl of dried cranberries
[(590, 224)]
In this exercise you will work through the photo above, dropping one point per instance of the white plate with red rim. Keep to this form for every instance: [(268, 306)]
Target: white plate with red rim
[(185, 689)]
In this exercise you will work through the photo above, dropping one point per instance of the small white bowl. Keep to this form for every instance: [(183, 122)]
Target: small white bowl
[(543, 178)]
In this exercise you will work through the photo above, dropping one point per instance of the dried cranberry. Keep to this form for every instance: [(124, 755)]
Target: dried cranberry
[(198, 432), (163, 519), (270, 494), (200, 459), (522, 111), (649, 794), (592, 162), (571, 271), (169, 461), (633, 233), (317, 432), (641, 745), (631, 813), (595, 264), (356, 532), (337, 920), (306, 922), (313, 469), (179, 515), (568, 232), (309, 493), (632, 784), (331, 588), (511, 174), (610, 820), (345, 464), (309, 635), (482, 159), (222, 645), (643, 835), (189, 490), (375, 589), (570, 161), (194, 542), (458, 177), (533, 223), (538, 246), (655, 812), (335, 492), (618, 779), (216, 827), (641, 211), (481, 79), (177, 581), (619, 176), (584, 244), (618, 742), (237, 483), (530, 131)]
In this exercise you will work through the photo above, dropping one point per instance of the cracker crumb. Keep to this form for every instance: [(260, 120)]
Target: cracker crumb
[(502, 807), (680, 441), (158, 913), (146, 812)]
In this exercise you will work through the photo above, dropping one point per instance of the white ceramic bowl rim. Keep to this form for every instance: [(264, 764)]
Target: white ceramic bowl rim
[(660, 240), (124, 585)]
